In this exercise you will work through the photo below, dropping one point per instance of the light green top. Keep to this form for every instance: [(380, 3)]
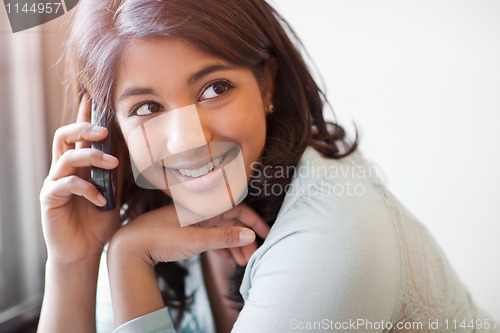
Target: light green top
[(344, 255)]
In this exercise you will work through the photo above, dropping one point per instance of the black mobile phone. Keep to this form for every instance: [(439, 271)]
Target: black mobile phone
[(103, 180)]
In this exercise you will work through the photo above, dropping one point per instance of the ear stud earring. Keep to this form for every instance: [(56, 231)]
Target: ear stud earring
[(271, 108)]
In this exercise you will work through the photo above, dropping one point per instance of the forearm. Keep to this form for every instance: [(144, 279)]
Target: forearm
[(134, 289), (157, 237), (70, 297)]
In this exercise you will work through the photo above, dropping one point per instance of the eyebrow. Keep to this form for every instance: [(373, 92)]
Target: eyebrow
[(208, 70), (134, 91)]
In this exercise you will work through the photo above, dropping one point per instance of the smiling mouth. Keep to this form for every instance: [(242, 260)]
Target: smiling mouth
[(195, 173), (209, 167)]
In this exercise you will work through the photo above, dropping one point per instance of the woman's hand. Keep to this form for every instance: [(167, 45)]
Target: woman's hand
[(158, 237), (74, 228), (242, 216), (155, 237)]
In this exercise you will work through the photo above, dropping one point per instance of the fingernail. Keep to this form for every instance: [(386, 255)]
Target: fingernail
[(109, 158), (101, 200), (246, 236)]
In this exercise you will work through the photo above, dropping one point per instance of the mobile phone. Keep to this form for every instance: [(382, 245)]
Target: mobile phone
[(103, 180)]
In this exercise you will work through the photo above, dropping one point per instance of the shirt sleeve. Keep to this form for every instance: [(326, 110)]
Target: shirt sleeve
[(154, 322), (326, 264)]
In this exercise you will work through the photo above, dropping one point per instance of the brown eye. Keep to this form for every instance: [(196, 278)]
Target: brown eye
[(216, 89), (219, 88), (146, 109)]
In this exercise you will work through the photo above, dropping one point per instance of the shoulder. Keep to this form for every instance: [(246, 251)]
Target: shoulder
[(319, 178), (335, 199), (333, 241)]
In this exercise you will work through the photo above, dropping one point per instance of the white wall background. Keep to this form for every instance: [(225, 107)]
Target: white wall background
[(421, 80)]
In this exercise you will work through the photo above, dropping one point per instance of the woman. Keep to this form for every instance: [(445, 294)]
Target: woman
[(210, 83)]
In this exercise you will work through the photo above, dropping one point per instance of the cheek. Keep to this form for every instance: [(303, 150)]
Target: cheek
[(249, 128), (134, 141), (145, 171), (245, 120), (139, 159)]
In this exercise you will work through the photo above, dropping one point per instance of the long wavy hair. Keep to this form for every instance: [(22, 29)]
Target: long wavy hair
[(244, 32)]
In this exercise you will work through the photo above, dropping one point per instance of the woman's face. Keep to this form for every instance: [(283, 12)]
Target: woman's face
[(192, 121)]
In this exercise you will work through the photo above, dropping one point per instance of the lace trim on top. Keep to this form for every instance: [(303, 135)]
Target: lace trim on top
[(430, 290)]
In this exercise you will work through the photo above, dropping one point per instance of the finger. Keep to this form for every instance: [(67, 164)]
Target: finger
[(223, 253), (249, 218), (84, 109), (84, 116), (192, 240), (242, 254), (238, 256), (249, 250), (211, 223), (221, 237), (77, 158), (57, 193), (66, 137)]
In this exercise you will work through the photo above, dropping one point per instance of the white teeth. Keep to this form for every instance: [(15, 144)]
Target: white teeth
[(201, 171)]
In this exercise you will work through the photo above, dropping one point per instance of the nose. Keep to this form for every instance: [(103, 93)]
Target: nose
[(184, 130)]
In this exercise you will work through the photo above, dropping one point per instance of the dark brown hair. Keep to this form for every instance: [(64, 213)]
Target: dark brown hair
[(243, 32)]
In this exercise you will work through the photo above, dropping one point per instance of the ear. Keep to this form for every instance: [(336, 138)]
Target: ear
[(268, 81)]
